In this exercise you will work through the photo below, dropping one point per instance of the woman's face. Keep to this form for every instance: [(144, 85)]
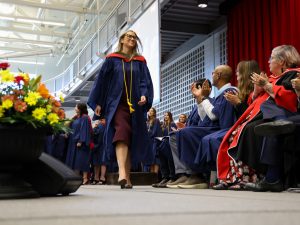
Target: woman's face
[(182, 119), (238, 76), (129, 40), (77, 110), (275, 65), (166, 117), (151, 112)]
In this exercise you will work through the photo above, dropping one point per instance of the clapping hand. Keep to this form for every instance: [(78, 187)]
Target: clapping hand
[(260, 79), (232, 97), (296, 84)]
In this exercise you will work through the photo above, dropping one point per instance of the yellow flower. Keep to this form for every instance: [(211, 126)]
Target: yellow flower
[(39, 113), (7, 104), (61, 98), (53, 118), (6, 76), (48, 108), (1, 111), (32, 98)]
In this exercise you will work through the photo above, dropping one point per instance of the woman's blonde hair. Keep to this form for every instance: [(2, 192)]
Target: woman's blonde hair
[(245, 85), (135, 50), (287, 54)]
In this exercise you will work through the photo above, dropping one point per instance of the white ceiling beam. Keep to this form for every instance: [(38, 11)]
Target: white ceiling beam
[(13, 49), (26, 54), (36, 32), (27, 41), (22, 19), (58, 7)]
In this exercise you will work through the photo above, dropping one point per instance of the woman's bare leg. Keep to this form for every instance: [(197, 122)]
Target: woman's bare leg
[(122, 155)]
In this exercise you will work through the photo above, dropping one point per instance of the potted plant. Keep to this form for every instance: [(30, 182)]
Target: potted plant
[(27, 113)]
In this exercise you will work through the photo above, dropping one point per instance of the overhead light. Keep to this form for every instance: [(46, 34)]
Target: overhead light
[(26, 62), (7, 8), (40, 22), (7, 18), (202, 3)]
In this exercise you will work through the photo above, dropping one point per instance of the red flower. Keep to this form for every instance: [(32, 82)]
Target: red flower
[(18, 79), (4, 65)]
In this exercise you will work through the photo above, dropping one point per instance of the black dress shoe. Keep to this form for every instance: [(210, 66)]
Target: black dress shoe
[(122, 183), (264, 186), (275, 128), (163, 181)]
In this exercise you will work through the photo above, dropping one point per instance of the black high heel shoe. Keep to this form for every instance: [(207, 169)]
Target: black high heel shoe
[(122, 183)]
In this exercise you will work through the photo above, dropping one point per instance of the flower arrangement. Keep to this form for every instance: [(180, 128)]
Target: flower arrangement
[(25, 100)]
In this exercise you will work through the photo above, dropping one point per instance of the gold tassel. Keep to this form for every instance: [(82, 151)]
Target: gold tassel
[(131, 109)]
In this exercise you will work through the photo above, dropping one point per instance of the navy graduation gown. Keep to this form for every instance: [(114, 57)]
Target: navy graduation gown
[(78, 157), (107, 91), (154, 130), (98, 153), (207, 152), (189, 139), (193, 119)]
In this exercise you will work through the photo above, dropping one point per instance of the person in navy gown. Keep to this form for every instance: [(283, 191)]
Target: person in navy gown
[(215, 115), (80, 138), (163, 150), (97, 155), (122, 94), (207, 151), (154, 130)]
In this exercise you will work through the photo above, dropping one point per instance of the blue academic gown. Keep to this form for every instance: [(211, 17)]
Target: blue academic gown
[(189, 139), (107, 92), (97, 154), (207, 152), (78, 157), (153, 131)]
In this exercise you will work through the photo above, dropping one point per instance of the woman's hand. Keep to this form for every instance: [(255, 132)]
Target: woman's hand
[(296, 84), (142, 101), (257, 90), (232, 97), (98, 110), (260, 80), (78, 144)]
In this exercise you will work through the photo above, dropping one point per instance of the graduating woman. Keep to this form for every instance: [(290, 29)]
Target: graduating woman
[(123, 93), (80, 138)]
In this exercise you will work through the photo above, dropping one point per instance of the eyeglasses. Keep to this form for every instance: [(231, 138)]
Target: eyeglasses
[(132, 37)]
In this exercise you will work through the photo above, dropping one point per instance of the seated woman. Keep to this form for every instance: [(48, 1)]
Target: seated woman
[(162, 145), (271, 100), (154, 130), (181, 122)]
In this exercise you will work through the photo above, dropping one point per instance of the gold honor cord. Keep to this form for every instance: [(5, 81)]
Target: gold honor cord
[(131, 109)]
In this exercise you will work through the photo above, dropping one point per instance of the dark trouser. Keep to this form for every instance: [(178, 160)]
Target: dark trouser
[(167, 167)]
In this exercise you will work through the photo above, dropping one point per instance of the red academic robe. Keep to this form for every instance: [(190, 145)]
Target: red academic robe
[(284, 98)]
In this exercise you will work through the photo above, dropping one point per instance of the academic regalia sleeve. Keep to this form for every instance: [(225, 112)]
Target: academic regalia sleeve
[(284, 94), (85, 131), (146, 86), (99, 89), (224, 111), (285, 98)]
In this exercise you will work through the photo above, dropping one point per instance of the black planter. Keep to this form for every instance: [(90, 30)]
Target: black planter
[(19, 144)]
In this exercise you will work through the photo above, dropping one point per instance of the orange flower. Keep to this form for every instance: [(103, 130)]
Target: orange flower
[(20, 106), (56, 103), (61, 114), (10, 97), (55, 109), (44, 92)]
